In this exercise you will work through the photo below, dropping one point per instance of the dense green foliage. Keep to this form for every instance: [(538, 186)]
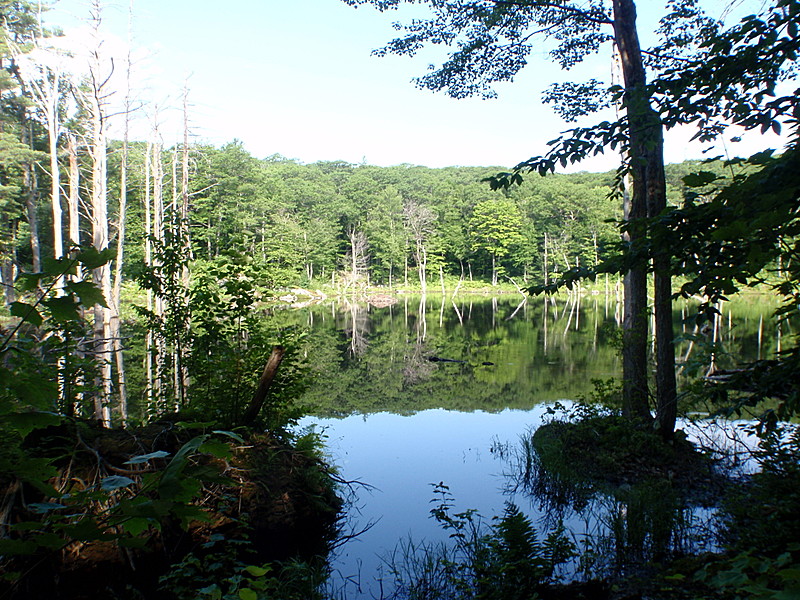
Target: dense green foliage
[(288, 224)]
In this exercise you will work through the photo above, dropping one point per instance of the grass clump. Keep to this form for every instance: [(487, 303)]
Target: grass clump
[(598, 446), (503, 559)]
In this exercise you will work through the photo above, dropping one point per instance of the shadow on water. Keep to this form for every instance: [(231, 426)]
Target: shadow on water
[(627, 509)]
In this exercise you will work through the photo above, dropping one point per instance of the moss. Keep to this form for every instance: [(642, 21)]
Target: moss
[(608, 450)]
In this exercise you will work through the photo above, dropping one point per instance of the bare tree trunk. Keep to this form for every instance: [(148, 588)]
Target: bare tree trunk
[(148, 261), (94, 103), (74, 236), (8, 276), (31, 197), (53, 135), (267, 377), (9, 267), (176, 224), (73, 199), (649, 195), (183, 372), (422, 266), (546, 266), (101, 275), (185, 185), (116, 329), (158, 307)]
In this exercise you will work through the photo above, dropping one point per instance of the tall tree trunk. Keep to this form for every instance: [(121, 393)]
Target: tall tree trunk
[(55, 190), (185, 186), (31, 197), (648, 200), (101, 275), (422, 263), (159, 348), (148, 261), (95, 106), (546, 266), (641, 155), (9, 267), (116, 329), (73, 198), (73, 399), (183, 371)]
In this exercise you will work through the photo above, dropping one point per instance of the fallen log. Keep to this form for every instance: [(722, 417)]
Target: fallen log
[(260, 395)]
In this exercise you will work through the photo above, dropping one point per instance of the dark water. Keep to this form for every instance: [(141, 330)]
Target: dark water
[(399, 422)]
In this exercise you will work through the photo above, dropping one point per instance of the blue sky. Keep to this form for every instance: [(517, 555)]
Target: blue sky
[(295, 77)]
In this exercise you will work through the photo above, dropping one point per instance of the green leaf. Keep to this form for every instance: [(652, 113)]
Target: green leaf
[(211, 590), (194, 424), (247, 594), (216, 448), (115, 482), (170, 480), (188, 513), (88, 293), (91, 258), (49, 540), (37, 472), (44, 507), (26, 312), (791, 574), (153, 510), (26, 526), (136, 525), (86, 530), (17, 547), (231, 435), (143, 458), (699, 179), (256, 571), (63, 309), (27, 282), (56, 267), (25, 422)]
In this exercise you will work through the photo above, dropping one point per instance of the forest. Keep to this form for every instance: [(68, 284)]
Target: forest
[(186, 248)]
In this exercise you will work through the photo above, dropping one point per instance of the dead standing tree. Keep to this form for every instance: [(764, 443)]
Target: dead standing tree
[(419, 222), (93, 95)]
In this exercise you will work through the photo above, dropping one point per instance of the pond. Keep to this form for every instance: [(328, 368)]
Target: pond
[(435, 390)]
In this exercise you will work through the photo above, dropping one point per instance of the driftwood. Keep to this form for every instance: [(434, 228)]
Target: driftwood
[(270, 369)]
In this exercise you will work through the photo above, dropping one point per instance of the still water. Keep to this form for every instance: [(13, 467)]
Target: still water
[(432, 390)]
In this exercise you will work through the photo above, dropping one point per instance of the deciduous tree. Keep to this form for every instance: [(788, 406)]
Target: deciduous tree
[(492, 41)]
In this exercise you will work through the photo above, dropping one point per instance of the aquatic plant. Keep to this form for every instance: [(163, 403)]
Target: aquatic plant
[(505, 559)]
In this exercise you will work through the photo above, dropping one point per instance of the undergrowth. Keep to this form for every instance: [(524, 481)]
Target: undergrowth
[(501, 559)]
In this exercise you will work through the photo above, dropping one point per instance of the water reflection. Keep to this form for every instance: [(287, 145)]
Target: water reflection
[(401, 422), (619, 526), (516, 353)]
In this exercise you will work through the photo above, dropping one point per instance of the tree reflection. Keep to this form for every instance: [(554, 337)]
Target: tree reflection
[(621, 526), (510, 353)]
